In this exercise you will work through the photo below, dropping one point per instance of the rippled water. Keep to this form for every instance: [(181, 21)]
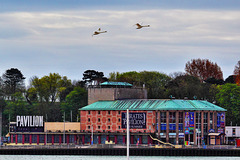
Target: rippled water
[(44, 157)]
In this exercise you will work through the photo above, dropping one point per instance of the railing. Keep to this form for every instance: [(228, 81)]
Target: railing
[(155, 139), (71, 146)]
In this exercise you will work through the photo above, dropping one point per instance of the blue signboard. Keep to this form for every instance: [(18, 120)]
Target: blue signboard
[(189, 122), (221, 120), (191, 119), (137, 120)]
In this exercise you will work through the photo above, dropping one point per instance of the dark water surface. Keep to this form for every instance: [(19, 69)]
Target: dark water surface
[(43, 157)]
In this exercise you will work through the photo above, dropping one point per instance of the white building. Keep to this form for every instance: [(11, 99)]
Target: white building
[(232, 132)]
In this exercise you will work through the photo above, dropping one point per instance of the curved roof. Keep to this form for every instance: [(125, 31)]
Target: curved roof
[(154, 104)]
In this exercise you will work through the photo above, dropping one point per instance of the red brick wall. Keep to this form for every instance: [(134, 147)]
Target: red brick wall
[(111, 122)]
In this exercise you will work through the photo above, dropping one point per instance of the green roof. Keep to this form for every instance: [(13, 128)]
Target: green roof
[(153, 104), (115, 84)]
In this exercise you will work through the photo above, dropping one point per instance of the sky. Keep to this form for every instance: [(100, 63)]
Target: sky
[(39, 37)]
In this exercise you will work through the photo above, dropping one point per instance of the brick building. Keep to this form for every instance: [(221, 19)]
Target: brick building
[(186, 122), (181, 121)]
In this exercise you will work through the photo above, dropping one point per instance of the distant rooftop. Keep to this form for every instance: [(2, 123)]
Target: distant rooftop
[(116, 84), (154, 104)]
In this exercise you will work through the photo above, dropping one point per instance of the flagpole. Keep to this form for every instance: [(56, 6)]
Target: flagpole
[(127, 134)]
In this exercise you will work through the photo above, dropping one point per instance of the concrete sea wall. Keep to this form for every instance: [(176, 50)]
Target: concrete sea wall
[(122, 152)]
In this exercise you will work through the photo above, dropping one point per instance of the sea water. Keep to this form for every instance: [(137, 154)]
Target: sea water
[(52, 157)]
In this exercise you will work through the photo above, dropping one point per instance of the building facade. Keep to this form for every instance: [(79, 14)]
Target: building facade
[(51, 133), (232, 133), (188, 122)]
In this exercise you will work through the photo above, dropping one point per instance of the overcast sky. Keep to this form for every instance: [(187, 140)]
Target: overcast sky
[(55, 36)]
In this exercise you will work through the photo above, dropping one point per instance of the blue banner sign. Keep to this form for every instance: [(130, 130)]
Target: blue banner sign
[(137, 120), (221, 120), (189, 122)]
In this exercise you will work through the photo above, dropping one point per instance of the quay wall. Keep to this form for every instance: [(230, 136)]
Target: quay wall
[(122, 152)]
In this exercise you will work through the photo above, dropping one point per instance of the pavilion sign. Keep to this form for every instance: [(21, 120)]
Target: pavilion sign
[(29, 121), (137, 120)]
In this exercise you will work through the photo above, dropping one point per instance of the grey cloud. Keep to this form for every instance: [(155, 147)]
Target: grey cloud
[(62, 41)]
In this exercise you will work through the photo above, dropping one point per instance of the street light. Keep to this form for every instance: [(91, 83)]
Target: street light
[(92, 135), (64, 130), (198, 130), (1, 126)]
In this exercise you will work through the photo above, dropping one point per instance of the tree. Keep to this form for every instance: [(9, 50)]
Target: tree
[(48, 88), (17, 107), (113, 76), (45, 92), (13, 79), (231, 79), (92, 77), (203, 69), (131, 77), (237, 69), (154, 81), (190, 87), (237, 73), (176, 74), (228, 97), (75, 99), (1, 88), (184, 86), (212, 80)]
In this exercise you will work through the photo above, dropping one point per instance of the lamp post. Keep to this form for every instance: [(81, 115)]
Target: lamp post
[(64, 130), (198, 130), (92, 135), (1, 126), (46, 129), (127, 134)]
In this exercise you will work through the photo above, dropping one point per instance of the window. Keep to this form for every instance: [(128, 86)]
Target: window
[(119, 127), (119, 120), (198, 124), (119, 112), (205, 123), (109, 112), (99, 112), (89, 127), (234, 131), (99, 120), (180, 117), (89, 120), (108, 127), (172, 117), (172, 122), (163, 122), (180, 122), (163, 117), (198, 120), (99, 127), (89, 112), (211, 121), (109, 120)]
